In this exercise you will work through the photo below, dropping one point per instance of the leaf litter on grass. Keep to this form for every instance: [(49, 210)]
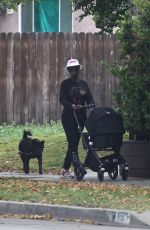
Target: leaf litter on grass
[(74, 193)]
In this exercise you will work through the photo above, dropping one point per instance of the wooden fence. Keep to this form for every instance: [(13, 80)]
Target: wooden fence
[(32, 68)]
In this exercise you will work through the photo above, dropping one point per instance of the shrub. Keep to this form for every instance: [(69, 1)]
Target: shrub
[(133, 71)]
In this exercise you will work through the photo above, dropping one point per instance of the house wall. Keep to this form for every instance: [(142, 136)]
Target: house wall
[(9, 23), (86, 25)]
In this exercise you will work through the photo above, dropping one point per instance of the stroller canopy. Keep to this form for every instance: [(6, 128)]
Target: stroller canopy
[(104, 120)]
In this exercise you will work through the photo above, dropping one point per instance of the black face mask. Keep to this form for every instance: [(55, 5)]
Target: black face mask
[(74, 71)]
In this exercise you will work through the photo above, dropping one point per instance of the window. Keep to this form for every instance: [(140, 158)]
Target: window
[(46, 16)]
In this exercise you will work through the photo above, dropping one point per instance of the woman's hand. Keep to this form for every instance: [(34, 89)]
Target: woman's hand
[(91, 105), (77, 107)]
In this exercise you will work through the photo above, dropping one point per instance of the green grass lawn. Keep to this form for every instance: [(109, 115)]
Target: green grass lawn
[(53, 155), (64, 192), (86, 194)]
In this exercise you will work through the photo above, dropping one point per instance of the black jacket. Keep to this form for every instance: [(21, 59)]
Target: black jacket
[(71, 93)]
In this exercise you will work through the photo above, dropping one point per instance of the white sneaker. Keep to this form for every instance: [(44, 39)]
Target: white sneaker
[(66, 174)]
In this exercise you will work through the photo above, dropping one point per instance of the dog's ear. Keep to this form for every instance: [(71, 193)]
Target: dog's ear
[(26, 134), (42, 142)]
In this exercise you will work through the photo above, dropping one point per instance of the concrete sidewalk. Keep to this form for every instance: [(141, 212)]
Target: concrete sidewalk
[(93, 215), (90, 176)]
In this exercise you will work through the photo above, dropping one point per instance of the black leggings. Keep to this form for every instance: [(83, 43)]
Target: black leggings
[(73, 137)]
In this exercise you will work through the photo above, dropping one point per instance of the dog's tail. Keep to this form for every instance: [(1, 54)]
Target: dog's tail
[(26, 134)]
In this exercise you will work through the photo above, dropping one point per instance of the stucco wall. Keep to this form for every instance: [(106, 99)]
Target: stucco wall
[(9, 23), (86, 25)]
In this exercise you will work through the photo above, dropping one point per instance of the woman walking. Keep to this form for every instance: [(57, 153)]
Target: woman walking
[(74, 93)]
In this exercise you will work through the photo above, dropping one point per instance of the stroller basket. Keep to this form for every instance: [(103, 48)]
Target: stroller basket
[(106, 141)]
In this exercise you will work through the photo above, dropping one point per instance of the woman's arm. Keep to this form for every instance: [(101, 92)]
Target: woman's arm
[(63, 96)]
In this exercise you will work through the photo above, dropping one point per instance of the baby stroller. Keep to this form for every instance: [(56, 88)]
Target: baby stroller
[(104, 133)]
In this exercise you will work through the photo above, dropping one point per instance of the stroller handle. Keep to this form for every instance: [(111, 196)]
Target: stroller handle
[(76, 107)]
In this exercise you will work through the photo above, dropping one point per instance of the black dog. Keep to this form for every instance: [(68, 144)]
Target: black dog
[(30, 148)]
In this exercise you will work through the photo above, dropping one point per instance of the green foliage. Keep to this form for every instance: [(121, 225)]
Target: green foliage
[(133, 95), (11, 4), (107, 14)]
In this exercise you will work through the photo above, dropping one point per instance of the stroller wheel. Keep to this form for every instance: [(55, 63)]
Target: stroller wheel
[(124, 174), (100, 175), (114, 173), (124, 171), (79, 171)]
